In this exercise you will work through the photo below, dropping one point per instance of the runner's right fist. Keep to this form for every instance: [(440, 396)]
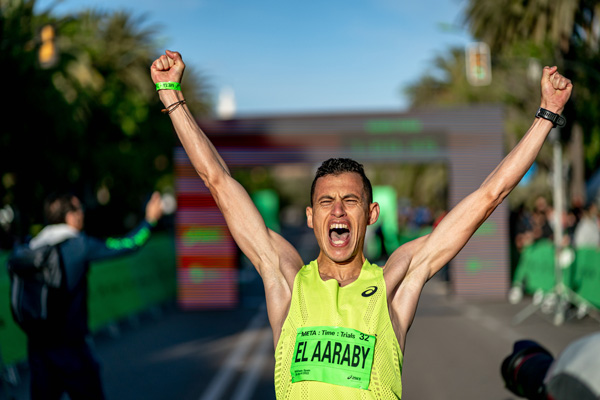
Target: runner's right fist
[(167, 68)]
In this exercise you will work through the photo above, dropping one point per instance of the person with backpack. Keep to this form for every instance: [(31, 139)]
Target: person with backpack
[(49, 291)]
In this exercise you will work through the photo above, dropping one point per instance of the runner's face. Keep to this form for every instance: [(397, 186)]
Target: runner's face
[(340, 215)]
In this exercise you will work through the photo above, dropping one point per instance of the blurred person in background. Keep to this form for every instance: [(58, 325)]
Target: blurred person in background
[(340, 323), (570, 223), (61, 358), (532, 225), (540, 220), (587, 231)]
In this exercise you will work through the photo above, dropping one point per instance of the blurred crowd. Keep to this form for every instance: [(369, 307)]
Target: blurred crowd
[(580, 224)]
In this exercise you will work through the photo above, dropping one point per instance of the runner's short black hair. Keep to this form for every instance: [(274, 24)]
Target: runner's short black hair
[(337, 166)]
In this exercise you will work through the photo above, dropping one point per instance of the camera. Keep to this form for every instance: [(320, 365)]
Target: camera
[(524, 370), (530, 371)]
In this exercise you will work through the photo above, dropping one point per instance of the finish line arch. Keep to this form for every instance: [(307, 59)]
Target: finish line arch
[(468, 140)]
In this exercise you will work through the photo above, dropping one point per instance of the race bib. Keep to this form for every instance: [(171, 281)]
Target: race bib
[(340, 356)]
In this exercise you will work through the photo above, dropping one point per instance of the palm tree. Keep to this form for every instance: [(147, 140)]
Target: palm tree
[(106, 59), (446, 84), (92, 119), (31, 109), (501, 23), (569, 28)]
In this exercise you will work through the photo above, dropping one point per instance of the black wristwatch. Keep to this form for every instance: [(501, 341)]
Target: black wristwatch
[(556, 119)]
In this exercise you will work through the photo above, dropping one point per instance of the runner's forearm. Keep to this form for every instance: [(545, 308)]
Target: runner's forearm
[(513, 167), (203, 155)]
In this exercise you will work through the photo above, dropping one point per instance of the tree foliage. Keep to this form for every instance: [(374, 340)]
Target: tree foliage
[(90, 122), (565, 33), (524, 36)]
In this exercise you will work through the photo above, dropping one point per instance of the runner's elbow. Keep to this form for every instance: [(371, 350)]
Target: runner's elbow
[(493, 196), (213, 177)]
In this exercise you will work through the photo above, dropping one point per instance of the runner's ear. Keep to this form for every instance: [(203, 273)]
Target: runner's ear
[(373, 213), (309, 220)]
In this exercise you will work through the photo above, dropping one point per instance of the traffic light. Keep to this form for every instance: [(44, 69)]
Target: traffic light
[(47, 54), (479, 64)]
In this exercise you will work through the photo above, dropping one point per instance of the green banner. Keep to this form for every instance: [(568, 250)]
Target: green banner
[(340, 356)]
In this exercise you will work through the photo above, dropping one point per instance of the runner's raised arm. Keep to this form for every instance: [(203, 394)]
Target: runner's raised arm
[(415, 263), (274, 258)]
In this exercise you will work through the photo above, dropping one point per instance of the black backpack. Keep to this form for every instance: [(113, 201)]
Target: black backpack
[(37, 287)]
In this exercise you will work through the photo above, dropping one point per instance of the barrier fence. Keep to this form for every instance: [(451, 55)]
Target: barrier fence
[(535, 271), (118, 288), (123, 287)]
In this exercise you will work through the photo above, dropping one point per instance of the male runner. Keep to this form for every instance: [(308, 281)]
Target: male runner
[(340, 323)]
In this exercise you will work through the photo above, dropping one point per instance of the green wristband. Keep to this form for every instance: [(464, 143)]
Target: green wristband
[(168, 85)]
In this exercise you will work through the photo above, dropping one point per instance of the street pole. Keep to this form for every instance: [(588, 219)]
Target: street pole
[(558, 200)]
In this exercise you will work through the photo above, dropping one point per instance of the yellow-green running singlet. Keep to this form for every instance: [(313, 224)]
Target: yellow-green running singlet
[(338, 342)]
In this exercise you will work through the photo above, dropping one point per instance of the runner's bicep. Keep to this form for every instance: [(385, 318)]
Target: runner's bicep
[(268, 251), (453, 232)]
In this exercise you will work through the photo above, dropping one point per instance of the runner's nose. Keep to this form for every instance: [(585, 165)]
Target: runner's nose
[(338, 209)]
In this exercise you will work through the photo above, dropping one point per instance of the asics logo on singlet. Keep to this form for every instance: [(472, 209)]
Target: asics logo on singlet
[(370, 291)]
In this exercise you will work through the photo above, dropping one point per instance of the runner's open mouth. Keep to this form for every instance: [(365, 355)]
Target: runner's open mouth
[(339, 233)]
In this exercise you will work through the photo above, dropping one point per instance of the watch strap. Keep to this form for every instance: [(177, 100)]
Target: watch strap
[(556, 119)]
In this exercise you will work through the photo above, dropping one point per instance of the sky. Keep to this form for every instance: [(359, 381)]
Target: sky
[(301, 56)]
